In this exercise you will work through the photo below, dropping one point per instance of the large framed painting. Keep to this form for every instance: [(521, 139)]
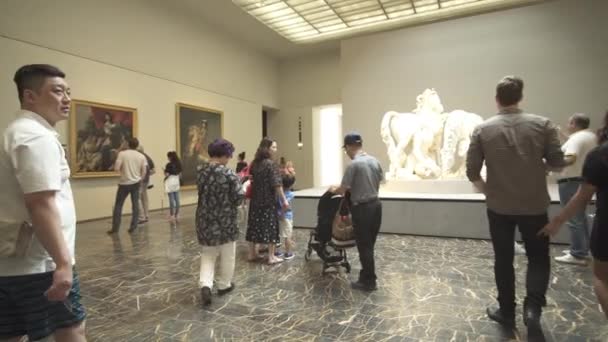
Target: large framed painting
[(98, 132), (197, 127)]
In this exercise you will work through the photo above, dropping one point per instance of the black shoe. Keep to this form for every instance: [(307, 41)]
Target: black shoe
[(225, 291), (358, 285), (131, 230), (111, 232), (206, 296), (532, 321), (507, 320)]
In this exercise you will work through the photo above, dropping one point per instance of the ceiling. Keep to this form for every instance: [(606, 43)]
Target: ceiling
[(240, 23), (303, 21), (228, 18)]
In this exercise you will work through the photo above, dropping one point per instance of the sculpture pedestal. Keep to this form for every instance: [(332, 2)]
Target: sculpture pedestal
[(442, 208), (430, 186)]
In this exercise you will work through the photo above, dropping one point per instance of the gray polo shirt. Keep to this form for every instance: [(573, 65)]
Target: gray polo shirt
[(362, 177)]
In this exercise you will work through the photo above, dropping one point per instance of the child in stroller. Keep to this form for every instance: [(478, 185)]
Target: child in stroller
[(329, 247)]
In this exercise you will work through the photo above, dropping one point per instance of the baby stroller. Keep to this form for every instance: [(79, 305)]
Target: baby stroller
[(334, 232)]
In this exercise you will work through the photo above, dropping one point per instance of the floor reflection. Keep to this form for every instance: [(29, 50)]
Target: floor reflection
[(143, 287)]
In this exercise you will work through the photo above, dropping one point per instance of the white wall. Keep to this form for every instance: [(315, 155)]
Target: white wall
[(559, 48), (132, 59), (304, 83)]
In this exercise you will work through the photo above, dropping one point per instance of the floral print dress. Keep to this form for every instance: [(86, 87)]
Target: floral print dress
[(263, 222), (219, 195)]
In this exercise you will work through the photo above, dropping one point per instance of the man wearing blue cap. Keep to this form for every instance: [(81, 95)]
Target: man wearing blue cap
[(362, 179)]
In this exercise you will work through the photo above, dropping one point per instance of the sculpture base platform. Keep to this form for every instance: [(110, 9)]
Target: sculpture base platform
[(443, 208)]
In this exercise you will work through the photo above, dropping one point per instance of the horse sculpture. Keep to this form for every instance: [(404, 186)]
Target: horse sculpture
[(427, 144), (457, 130), (411, 138)]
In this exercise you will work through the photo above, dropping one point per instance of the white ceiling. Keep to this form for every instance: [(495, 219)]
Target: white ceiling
[(233, 21), (320, 20), (229, 18)]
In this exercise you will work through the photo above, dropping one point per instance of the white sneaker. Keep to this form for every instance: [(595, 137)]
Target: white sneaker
[(566, 251), (519, 249), (569, 259)]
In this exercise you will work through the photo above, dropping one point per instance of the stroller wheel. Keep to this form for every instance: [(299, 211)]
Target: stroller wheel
[(347, 267), (308, 254)]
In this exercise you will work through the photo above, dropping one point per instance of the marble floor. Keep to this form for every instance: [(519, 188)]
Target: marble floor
[(143, 287)]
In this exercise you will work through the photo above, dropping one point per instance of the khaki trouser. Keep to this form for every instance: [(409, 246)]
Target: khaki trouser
[(143, 202)]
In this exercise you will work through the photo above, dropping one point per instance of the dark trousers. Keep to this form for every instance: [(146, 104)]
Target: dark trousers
[(367, 218), (121, 195), (502, 230)]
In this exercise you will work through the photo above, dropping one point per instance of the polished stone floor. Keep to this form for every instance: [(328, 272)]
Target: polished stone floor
[(143, 287)]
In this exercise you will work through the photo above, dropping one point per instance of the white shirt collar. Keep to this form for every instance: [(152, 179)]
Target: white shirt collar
[(38, 118)]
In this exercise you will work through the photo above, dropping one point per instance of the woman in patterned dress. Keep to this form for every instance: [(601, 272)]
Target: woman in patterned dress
[(266, 187), (219, 195)]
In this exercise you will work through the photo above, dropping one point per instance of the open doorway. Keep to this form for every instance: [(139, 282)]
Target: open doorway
[(327, 145), (264, 123)]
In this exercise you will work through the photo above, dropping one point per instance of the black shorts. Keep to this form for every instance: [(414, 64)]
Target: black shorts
[(599, 242), (25, 310)]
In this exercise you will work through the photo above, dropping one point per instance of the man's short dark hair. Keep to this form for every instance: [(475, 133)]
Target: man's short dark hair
[(220, 148), (32, 77), (509, 91), (581, 120), (133, 143)]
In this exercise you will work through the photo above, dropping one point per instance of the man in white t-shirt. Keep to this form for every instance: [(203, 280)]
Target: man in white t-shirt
[(579, 143), (132, 167), (39, 286)]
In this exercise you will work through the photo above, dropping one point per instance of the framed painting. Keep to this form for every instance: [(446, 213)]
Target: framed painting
[(197, 127), (98, 132)]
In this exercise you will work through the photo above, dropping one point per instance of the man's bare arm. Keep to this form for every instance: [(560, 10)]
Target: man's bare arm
[(46, 223)]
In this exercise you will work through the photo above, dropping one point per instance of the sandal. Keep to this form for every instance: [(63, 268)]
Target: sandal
[(275, 261)]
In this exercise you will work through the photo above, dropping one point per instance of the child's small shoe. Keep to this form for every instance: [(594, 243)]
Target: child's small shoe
[(278, 254), (288, 256)]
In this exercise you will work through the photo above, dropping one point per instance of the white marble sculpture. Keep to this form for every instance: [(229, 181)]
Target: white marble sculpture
[(428, 143)]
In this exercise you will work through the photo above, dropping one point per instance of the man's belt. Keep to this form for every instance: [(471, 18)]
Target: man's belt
[(569, 179)]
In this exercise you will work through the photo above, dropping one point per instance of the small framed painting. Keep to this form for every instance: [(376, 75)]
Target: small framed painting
[(197, 127)]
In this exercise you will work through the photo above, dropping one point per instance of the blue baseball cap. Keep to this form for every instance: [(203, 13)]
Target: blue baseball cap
[(352, 138)]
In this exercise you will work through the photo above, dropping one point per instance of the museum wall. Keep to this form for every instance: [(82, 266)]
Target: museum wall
[(153, 37), (118, 62), (304, 83), (559, 48)]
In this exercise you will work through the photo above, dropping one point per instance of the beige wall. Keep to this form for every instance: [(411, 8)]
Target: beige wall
[(304, 83), (152, 37), (131, 59), (559, 48)]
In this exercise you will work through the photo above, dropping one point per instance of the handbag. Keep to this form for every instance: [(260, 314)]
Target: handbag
[(342, 226)]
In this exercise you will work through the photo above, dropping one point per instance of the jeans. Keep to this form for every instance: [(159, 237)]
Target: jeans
[(367, 218), (121, 195), (226, 253), (502, 230), (173, 203), (578, 224)]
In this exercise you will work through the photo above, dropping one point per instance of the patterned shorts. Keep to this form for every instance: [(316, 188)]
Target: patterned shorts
[(25, 310)]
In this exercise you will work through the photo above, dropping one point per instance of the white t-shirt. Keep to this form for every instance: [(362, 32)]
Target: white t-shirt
[(132, 166), (32, 160), (578, 144)]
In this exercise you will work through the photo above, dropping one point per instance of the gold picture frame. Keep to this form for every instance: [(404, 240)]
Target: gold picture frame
[(196, 127), (98, 131)]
